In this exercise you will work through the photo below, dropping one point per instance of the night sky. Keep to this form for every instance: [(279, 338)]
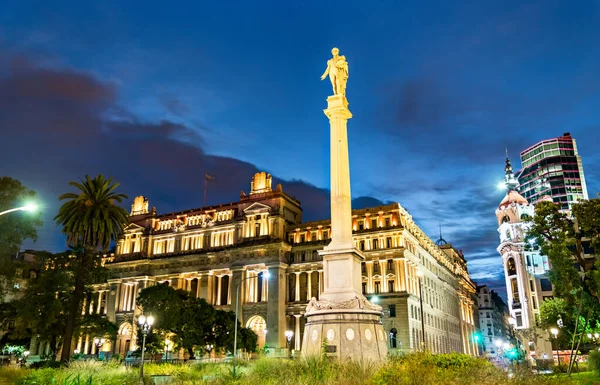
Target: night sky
[(155, 94)]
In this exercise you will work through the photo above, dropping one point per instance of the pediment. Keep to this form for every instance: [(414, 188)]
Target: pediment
[(257, 207), (133, 228)]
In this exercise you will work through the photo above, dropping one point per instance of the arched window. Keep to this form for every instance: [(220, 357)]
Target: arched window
[(525, 218), (259, 326), (505, 219), (512, 268)]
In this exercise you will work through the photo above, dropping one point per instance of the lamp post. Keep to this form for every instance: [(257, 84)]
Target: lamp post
[(28, 207), (554, 332), (237, 305), (419, 276), (145, 324), (99, 342), (168, 344), (209, 348), (288, 336)]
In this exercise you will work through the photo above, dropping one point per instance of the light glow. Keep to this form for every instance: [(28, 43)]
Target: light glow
[(501, 186)]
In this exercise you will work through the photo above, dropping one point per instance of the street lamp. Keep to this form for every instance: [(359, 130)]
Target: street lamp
[(419, 276), (266, 275), (145, 324), (554, 332), (168, 344), (28, 207), (288, 336), (99, 342), (209, 349)]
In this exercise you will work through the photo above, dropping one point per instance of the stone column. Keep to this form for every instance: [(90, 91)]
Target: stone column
[(297, 298), (276, 304), (341, 210), (320, 283), (297, 332), (229, 287), (218, 300), (309, 284), (100, 293), (265, 287)]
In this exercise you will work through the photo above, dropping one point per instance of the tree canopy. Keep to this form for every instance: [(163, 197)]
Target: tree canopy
[(15, 227), (191, 323)]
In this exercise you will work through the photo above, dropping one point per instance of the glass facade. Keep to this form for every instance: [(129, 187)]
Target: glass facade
[(553, 168)]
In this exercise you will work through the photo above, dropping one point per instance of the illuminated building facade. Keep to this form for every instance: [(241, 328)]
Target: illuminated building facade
[(553, 168), (493, 319), (208, 250)]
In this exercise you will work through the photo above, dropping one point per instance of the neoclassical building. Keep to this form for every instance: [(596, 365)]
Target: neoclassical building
[(209, 250)]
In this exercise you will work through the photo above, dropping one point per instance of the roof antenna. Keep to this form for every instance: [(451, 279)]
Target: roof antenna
[(441, 241)]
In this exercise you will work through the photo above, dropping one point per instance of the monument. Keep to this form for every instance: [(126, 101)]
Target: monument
[(342, 321)]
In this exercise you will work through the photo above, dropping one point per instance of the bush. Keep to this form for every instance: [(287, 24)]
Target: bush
[(594, 361), (45, 364)]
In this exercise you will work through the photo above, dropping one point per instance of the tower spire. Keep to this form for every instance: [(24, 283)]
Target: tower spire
[(509, 177), (441, 241)]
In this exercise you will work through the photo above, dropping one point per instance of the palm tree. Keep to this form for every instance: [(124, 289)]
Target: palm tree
[(91, 220)]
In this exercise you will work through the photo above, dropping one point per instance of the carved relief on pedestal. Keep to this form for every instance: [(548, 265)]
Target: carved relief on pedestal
[(358, 302)]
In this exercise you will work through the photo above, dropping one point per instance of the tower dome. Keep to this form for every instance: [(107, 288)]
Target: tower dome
[(512, 197)]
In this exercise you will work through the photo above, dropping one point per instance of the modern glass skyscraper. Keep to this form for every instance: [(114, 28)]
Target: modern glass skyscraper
[(552, 168)]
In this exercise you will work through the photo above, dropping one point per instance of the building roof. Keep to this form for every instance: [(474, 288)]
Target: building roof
[(513, 197)]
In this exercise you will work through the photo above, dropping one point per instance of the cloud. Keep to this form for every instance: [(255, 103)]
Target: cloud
[(65, 124)]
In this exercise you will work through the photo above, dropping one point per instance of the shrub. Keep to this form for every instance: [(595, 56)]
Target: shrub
[(594, 361), (45, 364)]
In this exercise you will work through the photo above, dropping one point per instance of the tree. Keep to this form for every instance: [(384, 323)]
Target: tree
[(189, 319), (91, 220), (14, 227), (553, 233), (42, 308), (192, 323)]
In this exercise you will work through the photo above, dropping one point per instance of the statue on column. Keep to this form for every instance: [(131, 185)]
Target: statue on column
[(337, 69)]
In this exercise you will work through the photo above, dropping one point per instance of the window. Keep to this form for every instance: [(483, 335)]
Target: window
[(291, 257), (390, 265), (377, 287), (506, 219), (373, 223), (389, 242), (257, 233), (375, 244), (391, 286), (545, 284), (387, 222), (363, 267), (362, 245), (392, 311), (325, 234), (313, 236), (376, 267), (361, 225), (303, 257), (512, 268), (302, 238), (364, 288)]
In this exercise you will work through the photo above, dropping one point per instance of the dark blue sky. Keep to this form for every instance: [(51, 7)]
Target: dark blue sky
[(156, 94)]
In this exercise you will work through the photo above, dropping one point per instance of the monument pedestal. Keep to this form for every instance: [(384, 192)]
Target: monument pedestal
[(342, 323)]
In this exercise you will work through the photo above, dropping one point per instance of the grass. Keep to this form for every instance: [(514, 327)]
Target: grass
[(414, 369)]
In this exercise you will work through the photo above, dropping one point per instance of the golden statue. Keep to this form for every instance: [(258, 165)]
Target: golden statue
[(337, 69)]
